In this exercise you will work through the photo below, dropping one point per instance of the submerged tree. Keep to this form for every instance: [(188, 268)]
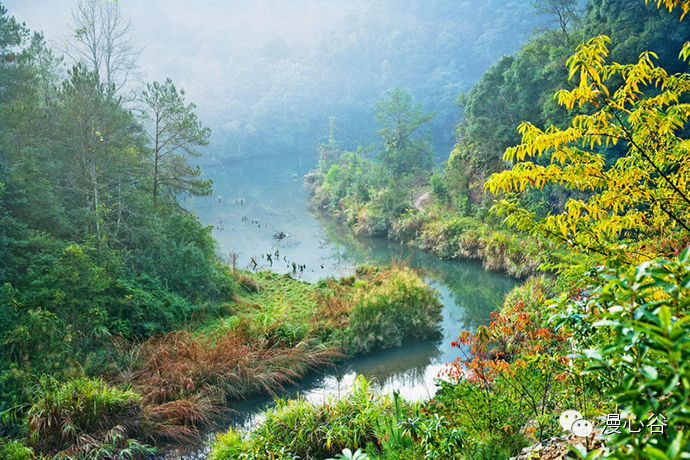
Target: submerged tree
[(176, 133)]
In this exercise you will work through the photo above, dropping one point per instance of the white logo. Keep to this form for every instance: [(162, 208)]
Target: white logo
[(582, 428), (572, 420), (569, 417)]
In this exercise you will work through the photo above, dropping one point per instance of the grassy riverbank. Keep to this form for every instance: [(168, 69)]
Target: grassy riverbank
[(443, 231), (171, 387)]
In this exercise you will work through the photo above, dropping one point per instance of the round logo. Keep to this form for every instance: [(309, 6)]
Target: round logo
[(582, 428), (568, 418)]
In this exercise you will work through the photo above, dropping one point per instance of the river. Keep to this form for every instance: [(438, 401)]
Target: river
[(254, 199)]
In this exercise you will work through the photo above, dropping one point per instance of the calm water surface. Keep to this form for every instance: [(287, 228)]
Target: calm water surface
[(255, 199)]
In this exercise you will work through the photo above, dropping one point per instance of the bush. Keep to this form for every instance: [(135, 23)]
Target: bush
[(395, 306), (633, 331)]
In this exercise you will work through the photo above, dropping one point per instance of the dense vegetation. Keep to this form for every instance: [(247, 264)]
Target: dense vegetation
[(123, 331), (121, 328), (593, 186)]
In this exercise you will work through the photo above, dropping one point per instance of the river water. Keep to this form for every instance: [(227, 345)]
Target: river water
[(257, 198)]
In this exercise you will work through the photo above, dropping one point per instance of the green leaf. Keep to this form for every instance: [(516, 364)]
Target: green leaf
[(649, 373), (655, 454), (665, 317)]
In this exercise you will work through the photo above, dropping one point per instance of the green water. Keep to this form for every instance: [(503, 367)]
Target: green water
[(255, 199)]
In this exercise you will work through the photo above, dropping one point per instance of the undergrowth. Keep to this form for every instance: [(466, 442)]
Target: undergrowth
[(171, 387)]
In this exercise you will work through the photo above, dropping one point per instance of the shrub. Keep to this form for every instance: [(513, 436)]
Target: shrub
[(395, 306), (637, 330)]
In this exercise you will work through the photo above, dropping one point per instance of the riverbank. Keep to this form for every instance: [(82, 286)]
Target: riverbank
[(456, 423), (276, 329), (431, 227)]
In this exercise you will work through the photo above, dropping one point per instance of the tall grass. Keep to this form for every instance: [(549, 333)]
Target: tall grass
[(310, 431), (395, 306), (84, 418), (385, 428), (187, 380)]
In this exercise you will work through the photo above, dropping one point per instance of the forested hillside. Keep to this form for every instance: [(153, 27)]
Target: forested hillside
[(266, 87)]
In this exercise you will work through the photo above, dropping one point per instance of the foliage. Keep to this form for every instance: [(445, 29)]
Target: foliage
[(15, 450), (88, 265), (371, 195), (509, 379), (85, 418), (670, 4), (311, 431), (642, 193), (634, 347), (520, 87)]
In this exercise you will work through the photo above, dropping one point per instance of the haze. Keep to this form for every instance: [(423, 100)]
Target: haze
[(267, 75)]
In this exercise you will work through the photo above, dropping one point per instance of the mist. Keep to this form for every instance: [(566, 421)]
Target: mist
[(267, 75)]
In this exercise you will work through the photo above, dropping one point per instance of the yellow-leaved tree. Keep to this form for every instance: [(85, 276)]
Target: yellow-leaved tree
[(670, 4), (627, 207)]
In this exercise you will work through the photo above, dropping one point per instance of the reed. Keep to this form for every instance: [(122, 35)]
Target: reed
[(187, 380)]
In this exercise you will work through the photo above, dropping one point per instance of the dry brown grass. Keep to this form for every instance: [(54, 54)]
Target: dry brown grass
[(186, 380)]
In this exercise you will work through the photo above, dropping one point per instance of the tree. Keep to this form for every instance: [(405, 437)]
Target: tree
[(102, 41), (638, 204), (404, 152), (671, 4), (97, 159), (175, 133), (563, 10)]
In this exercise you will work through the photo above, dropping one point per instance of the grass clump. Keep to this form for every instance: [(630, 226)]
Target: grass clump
[(297, 428), (86, 418), (14, 450), (393, 306)]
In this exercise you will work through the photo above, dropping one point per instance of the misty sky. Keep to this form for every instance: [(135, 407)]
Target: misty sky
[(266, 68)]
